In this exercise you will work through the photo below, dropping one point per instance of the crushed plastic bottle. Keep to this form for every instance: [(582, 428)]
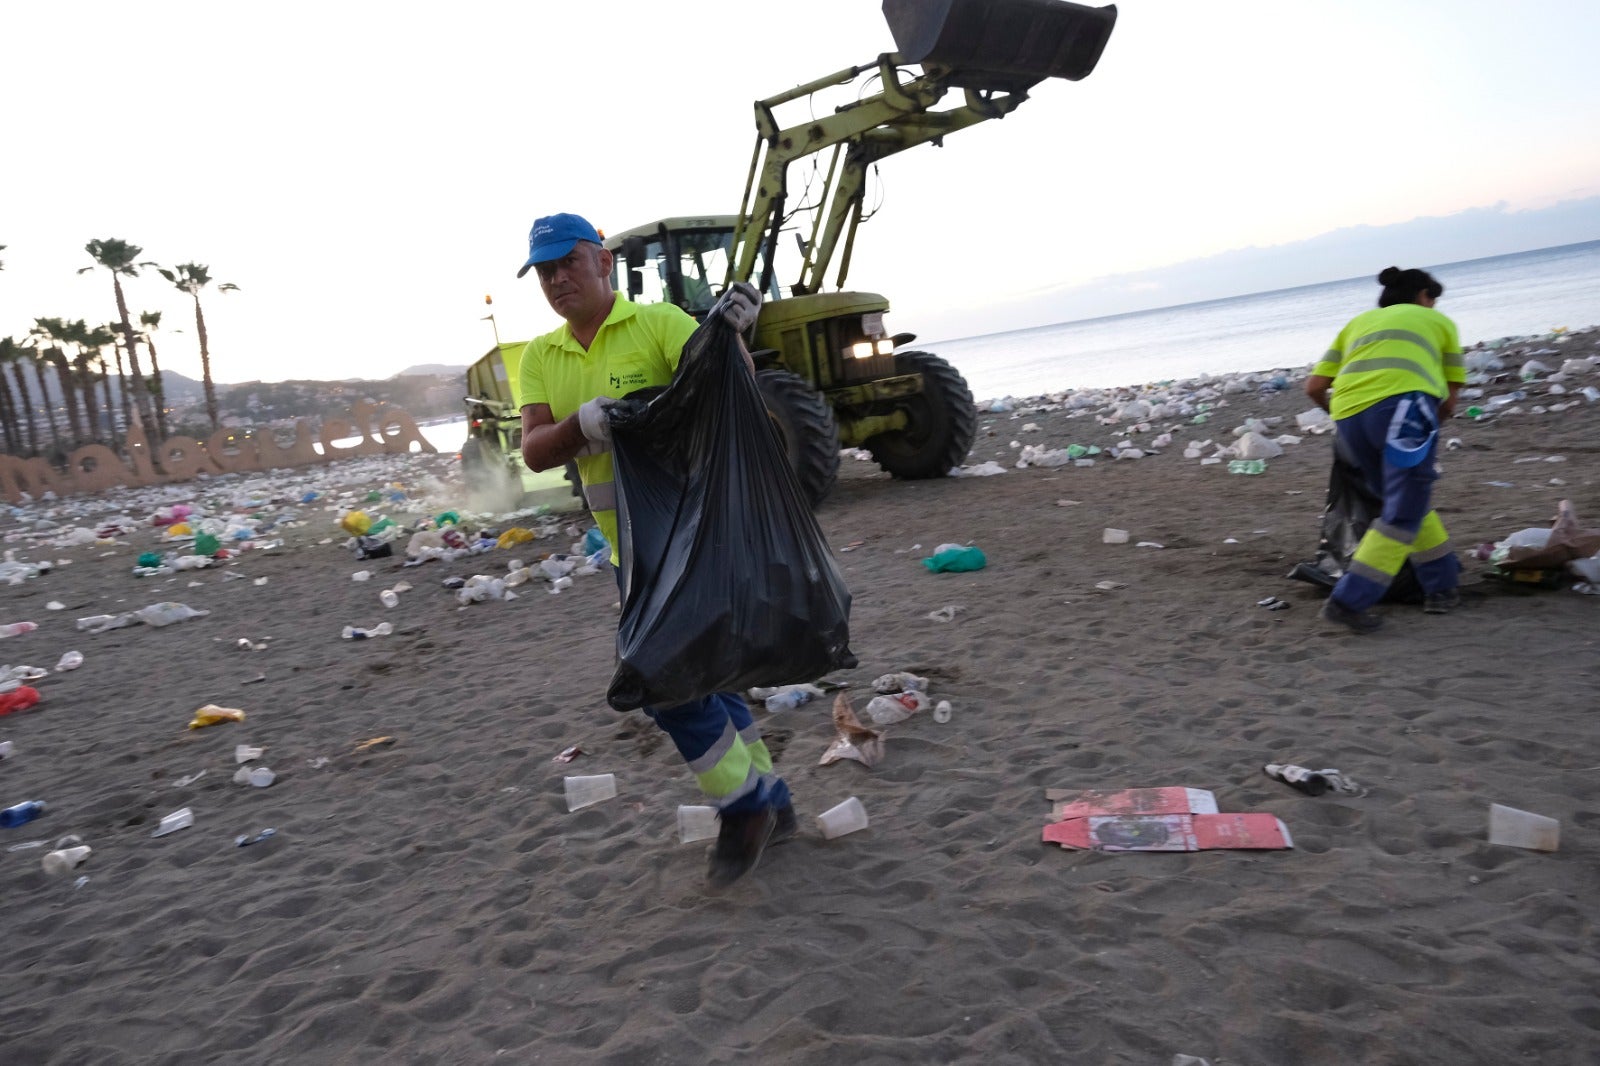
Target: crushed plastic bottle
[(788, 697), (22, 813), (70, 660), (16, 629), (382, 629), (1247, 466)]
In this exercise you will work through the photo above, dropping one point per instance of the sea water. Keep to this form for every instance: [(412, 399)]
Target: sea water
[(1524, 294)]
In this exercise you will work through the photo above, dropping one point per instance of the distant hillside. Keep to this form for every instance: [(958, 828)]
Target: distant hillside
[(448, 370)]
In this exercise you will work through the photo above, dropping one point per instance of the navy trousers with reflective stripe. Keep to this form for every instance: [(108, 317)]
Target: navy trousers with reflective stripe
[(1408, 528), (719, 739)]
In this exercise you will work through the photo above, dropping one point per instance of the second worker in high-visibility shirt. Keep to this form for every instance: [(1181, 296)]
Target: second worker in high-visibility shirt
[(1389, 379)]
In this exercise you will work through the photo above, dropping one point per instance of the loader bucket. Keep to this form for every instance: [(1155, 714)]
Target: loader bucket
[(1003, 45)]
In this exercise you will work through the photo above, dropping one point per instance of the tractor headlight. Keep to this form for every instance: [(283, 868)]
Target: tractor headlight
[(885, 346), (861, 349)]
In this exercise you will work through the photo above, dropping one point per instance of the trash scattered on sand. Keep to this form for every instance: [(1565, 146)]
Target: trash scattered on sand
[(182, 818), (696, 823), (955, 559), (1313, 782), (840, 819), (211, 714), (1523, 829), (855, 740), (585, 791), (1156, 819)]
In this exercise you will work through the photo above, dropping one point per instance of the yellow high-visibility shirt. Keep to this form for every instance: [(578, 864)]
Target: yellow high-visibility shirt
[(638, 346), (1391, 350)]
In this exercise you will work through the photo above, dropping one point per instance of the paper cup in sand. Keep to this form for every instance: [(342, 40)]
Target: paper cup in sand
[(847, 817), (1522, 829), (589, 790), (696, 823)]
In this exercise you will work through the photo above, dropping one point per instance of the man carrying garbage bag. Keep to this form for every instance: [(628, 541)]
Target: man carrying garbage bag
[(607, 349)]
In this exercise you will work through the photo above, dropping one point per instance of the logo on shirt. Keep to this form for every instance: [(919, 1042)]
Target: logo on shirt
[(628, 379)]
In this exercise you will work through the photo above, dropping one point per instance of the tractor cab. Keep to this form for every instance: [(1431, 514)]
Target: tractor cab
[(683, 261)]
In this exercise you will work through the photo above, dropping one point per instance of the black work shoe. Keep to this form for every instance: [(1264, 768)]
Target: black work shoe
[(740, 841), (1356, 621), (1441, 602), (786, 828)]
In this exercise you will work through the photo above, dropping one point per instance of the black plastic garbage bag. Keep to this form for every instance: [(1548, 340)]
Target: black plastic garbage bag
[(1352, 507), (727, 579)]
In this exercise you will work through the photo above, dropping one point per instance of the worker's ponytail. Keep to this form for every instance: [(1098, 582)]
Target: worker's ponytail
[(1404, 286)]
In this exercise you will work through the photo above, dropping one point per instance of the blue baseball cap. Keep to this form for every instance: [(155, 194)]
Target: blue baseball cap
[(553, 236)]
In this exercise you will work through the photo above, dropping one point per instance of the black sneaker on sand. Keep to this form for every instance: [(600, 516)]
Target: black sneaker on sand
[(1356, 621), (787, 827), (1441, 602), (740, 841)]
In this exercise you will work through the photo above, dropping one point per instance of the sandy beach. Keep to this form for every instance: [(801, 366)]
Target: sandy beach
[(430, 899)]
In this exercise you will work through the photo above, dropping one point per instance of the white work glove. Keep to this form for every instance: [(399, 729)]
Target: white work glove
[(596, 425), (739, 306)]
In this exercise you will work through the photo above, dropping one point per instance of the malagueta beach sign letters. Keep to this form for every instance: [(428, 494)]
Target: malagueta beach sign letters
[(377, 430)]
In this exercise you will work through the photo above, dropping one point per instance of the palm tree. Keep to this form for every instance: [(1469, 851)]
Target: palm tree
[(191, 278), (8, 403), (10, 353), (37, 358), (97, 340), (50, 334), (119, 258), (151, 321)]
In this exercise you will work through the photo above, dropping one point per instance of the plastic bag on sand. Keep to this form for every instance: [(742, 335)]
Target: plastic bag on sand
[(1565, 541), (988, 469), (1254, 446), (728, 581), (164, 614)]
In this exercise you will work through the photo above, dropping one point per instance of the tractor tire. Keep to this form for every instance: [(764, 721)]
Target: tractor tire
[(943, 422), (806, 429), (490, 482)]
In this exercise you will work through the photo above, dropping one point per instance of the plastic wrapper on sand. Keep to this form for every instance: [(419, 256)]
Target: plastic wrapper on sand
[(728, 581)]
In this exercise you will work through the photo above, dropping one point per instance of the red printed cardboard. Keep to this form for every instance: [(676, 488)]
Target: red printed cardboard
[(1170, 832), (1071, 803)]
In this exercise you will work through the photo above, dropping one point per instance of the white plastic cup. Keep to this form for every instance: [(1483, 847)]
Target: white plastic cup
[(942, 712), (589, 790), (361, 575), (1114, 536), (389, 598), (847, 817), (65, 860), (696, 823), (1522, 829), (182, 818), (259, 776)]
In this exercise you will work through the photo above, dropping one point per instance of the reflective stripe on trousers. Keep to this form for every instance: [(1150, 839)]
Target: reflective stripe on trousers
[(719, 739), (1408, 529)]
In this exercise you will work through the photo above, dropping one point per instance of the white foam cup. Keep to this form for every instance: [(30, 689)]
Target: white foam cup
[(586, 791), (696, 823), (1522, 829), (182, 818), (65, 860), (847, 817)]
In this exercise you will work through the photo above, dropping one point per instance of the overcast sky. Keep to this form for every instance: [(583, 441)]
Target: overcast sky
[(367, 172)]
